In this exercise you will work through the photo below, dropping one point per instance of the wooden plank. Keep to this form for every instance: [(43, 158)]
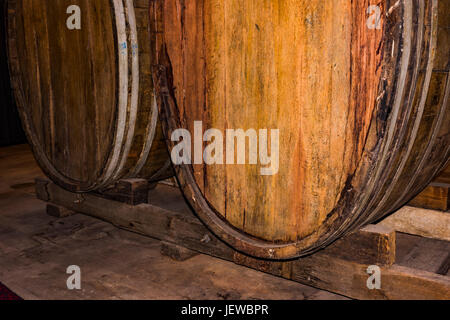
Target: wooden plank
[(130, 191), (374, 244), (59, 211), (350, 279), (423, 222), (436, 196), (422, 253), (330, 269)]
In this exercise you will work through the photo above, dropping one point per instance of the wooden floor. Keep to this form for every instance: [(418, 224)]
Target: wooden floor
[(35, 251)]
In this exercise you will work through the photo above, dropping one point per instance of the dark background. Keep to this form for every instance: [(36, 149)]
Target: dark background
[(10, 127)]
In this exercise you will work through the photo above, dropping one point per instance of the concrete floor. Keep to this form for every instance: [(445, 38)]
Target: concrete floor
[(36, 249)]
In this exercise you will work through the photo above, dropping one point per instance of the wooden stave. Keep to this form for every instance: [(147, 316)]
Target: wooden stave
[(152, 162), (372, 174)]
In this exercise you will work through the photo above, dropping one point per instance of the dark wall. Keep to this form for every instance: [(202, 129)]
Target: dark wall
[(10, 127)]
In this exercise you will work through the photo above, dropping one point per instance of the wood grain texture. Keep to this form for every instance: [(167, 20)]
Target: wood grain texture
[(334, 268), (423, 222), (423, 253), (86, 96), (131, 191), (363, 112), (58, 211), (177, 253), (437, 195)]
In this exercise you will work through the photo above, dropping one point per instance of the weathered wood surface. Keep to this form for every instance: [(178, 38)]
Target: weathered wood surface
[(176, 252), (422, 222), (85, 96), (436, 195), (374, 244), (363, 112), (397, 283), (423, 253), (130, 191), (59, 211), (341, 268)]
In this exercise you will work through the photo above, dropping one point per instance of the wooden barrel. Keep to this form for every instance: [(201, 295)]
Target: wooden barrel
[(82, 80), (359, 94)]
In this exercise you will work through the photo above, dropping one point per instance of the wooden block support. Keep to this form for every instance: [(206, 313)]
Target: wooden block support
[(41, 189), (436, 196), (130, 191), (374, 244), (176, 252), (350, 279), (58, 211), (340, 268)]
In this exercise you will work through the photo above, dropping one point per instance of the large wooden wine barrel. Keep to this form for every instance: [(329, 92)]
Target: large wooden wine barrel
[(82, 78), (359, 91)]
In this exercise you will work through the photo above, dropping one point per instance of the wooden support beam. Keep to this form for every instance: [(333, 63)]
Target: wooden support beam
[(437, 195), (176, 252), (330, 273), (130, 191), (340, 268), (370, 245), (423, 222), (350, 279)]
